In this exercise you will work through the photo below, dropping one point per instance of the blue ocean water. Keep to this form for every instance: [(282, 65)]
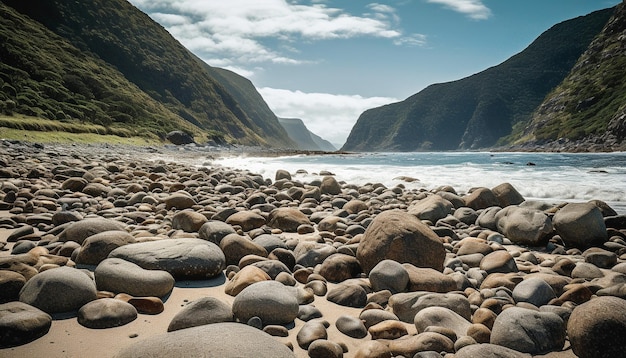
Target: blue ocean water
[(554, 177)]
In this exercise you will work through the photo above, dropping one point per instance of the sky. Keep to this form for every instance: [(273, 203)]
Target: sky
[(327, 61)]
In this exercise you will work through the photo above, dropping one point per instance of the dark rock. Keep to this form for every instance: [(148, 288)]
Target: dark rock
[(120, 276), (106, 313), (21, 323), (205, 310)]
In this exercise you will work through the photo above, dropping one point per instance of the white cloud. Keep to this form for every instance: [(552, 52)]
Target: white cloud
[(239, 32), (475, 9), (330, 116)]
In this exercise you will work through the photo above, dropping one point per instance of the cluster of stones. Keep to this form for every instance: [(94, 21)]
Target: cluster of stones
[(105, 235)]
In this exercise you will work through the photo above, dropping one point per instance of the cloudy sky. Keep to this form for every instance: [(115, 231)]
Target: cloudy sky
[(326, 61)]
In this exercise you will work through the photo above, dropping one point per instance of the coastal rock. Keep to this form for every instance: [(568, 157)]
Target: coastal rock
[(182, 258), (179, 200), (330, 186), (179, 138), (428, 279), (120, 276), (106, 313), (308, 312), (21, 323), (310, 332), (528, 331), (235, 247), (499, 261), (443, 317), (188, 221), (78, 231), (205, 310), (373, 316), (507, 195), (597, 328), (433, 208), (481, 198), (408, 346), (351, 326), (355, 206), (323, 348), (271, 301), (97, 247), (340, 267), (214, 231), (247, 220), (287, 219), (389, 275), (349, 295), (221, 339), (401, 237), (534, 291), (580, 225), (244, 278), (60, 290), (10, 285), (389, 329), (487, 350), (524, 226)]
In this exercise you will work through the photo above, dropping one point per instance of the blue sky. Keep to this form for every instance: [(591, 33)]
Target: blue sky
[(326, 61)]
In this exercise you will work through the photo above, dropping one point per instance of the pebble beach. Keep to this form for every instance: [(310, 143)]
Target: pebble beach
[(112, 251)]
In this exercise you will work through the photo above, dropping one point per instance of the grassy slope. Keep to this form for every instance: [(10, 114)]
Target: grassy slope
[(478, 110), (591, 95), (161, 71)]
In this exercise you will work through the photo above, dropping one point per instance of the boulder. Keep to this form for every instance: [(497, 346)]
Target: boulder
[(507, 195), (247, 220), (78, 231), (10, 285), (486, 350), (481, 198), (188, 221), (534, 291), (401, 237), (179, 201), (179, 138), (432, 208), (21, 323), (349, 295), (205, 310), (182, 258), (597, 328), (218, 340), (580, 225), (428, 279), (287, 219), (528, 331), (524, 226), (340, 267), (351, 326), (271, 301), (442, 317), (106, 313), (214, 231), (330, 186), (59, 290), (389, 275), (97, 247), (244, 278), (120, 276), (235, 247)]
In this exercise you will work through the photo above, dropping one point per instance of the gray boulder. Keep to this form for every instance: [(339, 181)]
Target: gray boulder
[(78, 231), (205, 310), (21, 323), (389, 275), (271, 301), (179, 138), (121, 276), (106, 313), (535, 291), (182, 258), (432, 208), (528, 331), (214, 231), (524, 226), (580, 225), (97, 247)]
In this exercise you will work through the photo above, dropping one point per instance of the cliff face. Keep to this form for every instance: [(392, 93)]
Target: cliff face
[(475, 112), (588, 109), (116, 35), (304, 139)]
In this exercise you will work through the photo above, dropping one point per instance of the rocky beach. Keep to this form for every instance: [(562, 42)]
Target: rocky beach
[(112, 251)]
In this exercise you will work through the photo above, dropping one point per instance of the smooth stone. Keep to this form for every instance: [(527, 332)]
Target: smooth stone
[(487, 350), (276, 330), (600, 257), (214, 231), (351, 326), (236, 247), (80, 230), (580, 225), (401, 237), (60, 290), (220, 339), (323, 348), (205, 310), (287, 219), (188, 221), (310, 332), (340, 267), (272, 267), (528, 331), (330, 186), (371, 317), (499, 261), (106, 313), (146, 305), (244, 278), (272, 301), (179, 200), (121, 276), (247, 220), (586, 270), (524, 226), (389, 275), (319, 287), (97, 247), (481, 198), (10, 285), (455, 302), (308, 312), (389, 329), (408, 346), (440, 316), (535, 291), (349, 295), (597, 328), (428, 279), (432, 208), (507, 195), (21, 323), (184, 258)]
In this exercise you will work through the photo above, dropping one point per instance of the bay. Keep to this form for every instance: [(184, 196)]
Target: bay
[(553, 177)]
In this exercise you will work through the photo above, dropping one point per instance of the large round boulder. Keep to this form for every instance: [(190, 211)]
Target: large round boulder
[(597, 328), (580, 225), (78, 231), (120, 276), (106, 313), (431, 208), (287, 219), (205, 310), (21, 323), (271, 301), (399, 236), (97, 247), (182, 258), (524, 226), (528, 331), (59, 290), (214, 231)]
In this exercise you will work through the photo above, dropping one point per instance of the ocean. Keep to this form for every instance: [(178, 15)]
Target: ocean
[(552, 177)]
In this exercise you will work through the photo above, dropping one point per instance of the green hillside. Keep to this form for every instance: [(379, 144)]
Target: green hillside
[(107, 63), (591, 102), (475, 112)]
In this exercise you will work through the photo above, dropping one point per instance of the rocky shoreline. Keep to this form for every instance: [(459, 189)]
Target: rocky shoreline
[(115, 251)]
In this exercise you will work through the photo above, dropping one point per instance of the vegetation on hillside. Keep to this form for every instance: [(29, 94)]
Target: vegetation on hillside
[(591, 96), (106, 62), (476, 111)]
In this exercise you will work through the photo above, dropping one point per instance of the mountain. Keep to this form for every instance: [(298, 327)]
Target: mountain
[(587, 111), (305, 139), (475, 112), (107, 58)]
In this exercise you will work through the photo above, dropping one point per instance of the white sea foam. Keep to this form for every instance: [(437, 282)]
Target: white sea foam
[(554, 177)]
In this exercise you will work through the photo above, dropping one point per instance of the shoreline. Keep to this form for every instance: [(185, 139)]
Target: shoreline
[(107, 179)]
